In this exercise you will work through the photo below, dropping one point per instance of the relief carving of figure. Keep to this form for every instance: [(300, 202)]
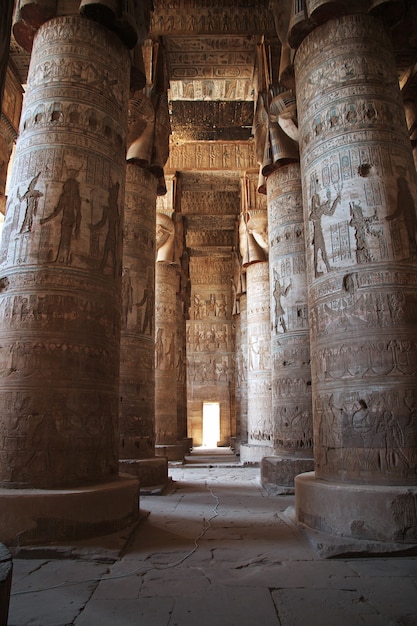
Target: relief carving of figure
[(31, 197), (393, 438), (360, 224), (69, 204), (111, 217), (148, 299), (171, 352), (127, 294), (407, 210), (278, 293), (318, 209), (159, 348)]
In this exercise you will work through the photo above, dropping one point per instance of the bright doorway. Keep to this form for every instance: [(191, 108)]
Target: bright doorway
[(211, 424)]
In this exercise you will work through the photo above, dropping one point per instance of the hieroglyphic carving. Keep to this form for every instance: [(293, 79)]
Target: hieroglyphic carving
[(184, 16), (363, 432), (211, 156), (210, 270), (212, 203)]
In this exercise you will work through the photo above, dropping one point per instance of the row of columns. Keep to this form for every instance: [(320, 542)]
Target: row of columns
[(67, 305), (358, 184)]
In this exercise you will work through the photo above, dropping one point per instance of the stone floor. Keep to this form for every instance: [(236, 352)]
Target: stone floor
[(214, 550)]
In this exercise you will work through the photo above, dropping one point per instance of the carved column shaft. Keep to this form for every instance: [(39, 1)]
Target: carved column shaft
[(137, 372), (166, 355), (291, 372), (260, 429), (241, 371), (61, 262), (360, 199)]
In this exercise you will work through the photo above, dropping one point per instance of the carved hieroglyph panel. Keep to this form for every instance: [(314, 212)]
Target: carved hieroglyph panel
[(137, 344), (212, 156), (61, 262), (210, 230), (213, 203), (291, 371), (360, 199), (173, 17), (211, 68)]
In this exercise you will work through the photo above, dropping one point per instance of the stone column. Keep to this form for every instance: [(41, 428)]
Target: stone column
[(241, 374), (360, 198), (260, 428), (60, 298), (183, 305), (291, 371), (166, 341), (166, 356), (181, 375), (253, 239), (137, 346)]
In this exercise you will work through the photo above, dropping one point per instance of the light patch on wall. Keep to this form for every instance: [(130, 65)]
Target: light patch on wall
[(211, 424)]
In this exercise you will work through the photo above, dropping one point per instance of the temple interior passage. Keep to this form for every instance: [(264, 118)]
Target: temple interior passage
[(209, 242), (214, 549)]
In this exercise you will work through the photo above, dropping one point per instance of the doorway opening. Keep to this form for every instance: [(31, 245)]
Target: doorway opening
[(211, 424)]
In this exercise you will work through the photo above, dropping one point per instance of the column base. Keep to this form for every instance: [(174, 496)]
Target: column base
[(374, 513), (278, 473), (41, 516), (173, 452), (152, 473), (251, 454)]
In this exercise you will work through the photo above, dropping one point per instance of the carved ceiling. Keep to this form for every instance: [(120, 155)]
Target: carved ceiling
[(211, 53), (211, 49)]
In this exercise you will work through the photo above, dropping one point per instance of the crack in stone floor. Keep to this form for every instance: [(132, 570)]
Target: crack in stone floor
[(249, 566)]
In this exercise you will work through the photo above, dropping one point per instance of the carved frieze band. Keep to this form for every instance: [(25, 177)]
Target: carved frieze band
[(212, 156)]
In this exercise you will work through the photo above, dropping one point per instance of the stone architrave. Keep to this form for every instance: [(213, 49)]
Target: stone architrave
[(260, 427), (60, 276), (211, 155), (291, 371), (360, 199)]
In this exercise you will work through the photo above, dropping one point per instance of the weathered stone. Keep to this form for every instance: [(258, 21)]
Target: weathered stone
[(278, 472), (6, 569)]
